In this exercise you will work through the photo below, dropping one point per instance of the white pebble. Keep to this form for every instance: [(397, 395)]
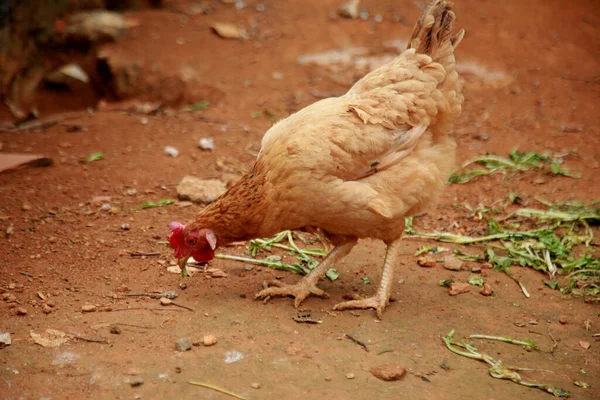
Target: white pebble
[(207, 144), (171, 151)]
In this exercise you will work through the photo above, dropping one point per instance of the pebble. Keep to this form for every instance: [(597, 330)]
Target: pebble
[(183, 285), (177, 370), (88, 308), (5, 339), (115, 330), (453, 264), (26, 207), (183, 344), (165, 302), (21, 311), (207, 144), (125, 227), (426, 262), (105, 207), (562, 319), (136, 381), (200, 190), (9, 297), (389, 372), (171, 151), (350, 376), (46, 309), (475, 270), (209, 340), (255, 385)]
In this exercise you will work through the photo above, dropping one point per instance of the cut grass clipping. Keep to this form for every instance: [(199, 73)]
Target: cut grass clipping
[(497, 369), (516, 162), (558, 241), (304, 264)]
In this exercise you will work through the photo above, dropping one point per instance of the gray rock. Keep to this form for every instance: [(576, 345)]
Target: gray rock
[(183, 344), (5, 339), (200, 190)]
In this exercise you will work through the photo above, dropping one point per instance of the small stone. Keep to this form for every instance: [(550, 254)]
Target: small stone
[(115, 330), (249, 267), (26, 207), (21, 311), (183, 344), (182, 285), (562, 319), (476, 270), (177, 370), (196, 342), (426, 262), (328, 379), (200, 190), (207, 144), (5, 339), (350, 375), (486, 289), (255, 385), (136, 381), (52, 239), (123, 289), (125, 227), (50, 303), (453, 264), (12, 285), (458, 288), (171, 151), (88, 308), (46, 309), (165, 302), (209, 340), (389, 372)]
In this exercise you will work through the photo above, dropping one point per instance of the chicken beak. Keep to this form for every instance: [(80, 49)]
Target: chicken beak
[(182, 264)]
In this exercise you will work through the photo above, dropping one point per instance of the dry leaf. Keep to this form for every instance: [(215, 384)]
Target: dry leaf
[(584, 344), (176, 270), (458, 288), (214, 273), (50, 338), (229, 31)]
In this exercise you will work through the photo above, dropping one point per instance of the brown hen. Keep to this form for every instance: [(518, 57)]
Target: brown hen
[(353, 166)]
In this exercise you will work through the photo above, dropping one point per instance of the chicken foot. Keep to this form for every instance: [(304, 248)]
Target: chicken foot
[(307, 285), (382, 297)]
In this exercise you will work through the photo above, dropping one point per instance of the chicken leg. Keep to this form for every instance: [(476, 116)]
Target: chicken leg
[(382, 297), (307, 285)]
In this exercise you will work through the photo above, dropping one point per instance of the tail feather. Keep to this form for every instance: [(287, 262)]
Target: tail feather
[(433, 34)]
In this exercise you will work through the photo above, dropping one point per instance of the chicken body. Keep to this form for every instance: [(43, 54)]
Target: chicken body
[(355, 166)]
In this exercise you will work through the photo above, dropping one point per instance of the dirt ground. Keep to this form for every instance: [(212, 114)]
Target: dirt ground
[(530, 72)]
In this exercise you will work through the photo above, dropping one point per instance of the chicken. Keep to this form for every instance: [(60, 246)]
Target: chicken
[(353, 166)]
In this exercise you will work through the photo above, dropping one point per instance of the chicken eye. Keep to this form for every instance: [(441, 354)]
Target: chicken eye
[(192, 241)]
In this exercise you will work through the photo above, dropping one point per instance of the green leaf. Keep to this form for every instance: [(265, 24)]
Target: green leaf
[(94, 157), (551, 284), (424, 249), (475, 280), (446, 282), (151, 204), (332, 274), (200, 105), (366, 280)]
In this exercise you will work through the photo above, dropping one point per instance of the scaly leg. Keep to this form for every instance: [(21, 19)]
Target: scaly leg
[(382, 297), (307, 285)]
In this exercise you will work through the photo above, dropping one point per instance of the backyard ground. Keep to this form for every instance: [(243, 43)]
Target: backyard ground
[(530, 72)]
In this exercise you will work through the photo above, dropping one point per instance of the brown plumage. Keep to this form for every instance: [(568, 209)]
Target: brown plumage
[(353, 166)]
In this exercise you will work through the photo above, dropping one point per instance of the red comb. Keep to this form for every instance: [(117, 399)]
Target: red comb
[(176, 236)]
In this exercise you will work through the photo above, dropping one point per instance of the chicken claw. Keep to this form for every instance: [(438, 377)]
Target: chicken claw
[(299, 291), (377, 302), (308, 285), (382, 297)]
